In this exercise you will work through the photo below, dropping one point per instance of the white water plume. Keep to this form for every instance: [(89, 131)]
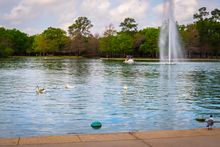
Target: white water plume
[(169, 42)]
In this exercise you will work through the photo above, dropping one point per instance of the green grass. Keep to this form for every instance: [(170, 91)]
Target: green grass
[(50, 57)]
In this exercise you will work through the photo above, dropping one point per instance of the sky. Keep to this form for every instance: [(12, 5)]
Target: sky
[(34, 16)]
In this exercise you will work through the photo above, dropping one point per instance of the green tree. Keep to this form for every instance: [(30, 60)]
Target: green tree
[(128, 25), (216, 15), (5, 43), (79, 32), (190, 37), (124, 44), (110, 31), (208, 30), (150, 45), (202, 14), (108, 42), (51, 41), (13, 41), (20, 41), (56, 37), (81, 27)]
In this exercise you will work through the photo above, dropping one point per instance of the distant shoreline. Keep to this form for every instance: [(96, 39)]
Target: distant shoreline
[(113, 59)]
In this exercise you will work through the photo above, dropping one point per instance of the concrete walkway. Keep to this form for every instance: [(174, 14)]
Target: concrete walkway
[(171, 138)]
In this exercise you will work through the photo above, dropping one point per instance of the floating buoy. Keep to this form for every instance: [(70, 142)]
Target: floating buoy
[(96, 124), (200, 119)]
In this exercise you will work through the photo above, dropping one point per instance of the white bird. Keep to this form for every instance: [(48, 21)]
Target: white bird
[(39, 90), (129, 61), (210, 123), (67, 86), (125, 87)]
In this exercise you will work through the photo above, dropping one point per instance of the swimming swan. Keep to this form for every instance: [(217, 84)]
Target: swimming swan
[(125, 87), (67, 86), (39, 90), (129, 61)]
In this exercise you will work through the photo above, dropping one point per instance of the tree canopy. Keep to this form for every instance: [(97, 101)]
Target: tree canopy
[(200, 39), (128, 25), (81, 27)]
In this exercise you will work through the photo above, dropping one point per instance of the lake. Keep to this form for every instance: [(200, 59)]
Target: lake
[(138, 97)]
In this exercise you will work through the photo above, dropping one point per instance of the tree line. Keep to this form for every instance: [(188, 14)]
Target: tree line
[(199, 39)]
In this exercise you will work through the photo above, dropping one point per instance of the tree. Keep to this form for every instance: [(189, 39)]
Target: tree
[(13, 41), (190, 36), (40, 45), (139, 39), (216, 15), (57, 37), (208, 30), (201, 14), (79, 33), (20, 41), (110, 31), (80, 27), (93, 45), (150, 45), (5, 43), (128, 25), (202, 27), (52, 40), (124, 44)]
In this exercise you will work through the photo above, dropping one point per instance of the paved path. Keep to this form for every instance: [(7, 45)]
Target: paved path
[(171, 138)]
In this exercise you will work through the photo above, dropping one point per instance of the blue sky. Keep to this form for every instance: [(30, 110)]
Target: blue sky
[(34, 16)]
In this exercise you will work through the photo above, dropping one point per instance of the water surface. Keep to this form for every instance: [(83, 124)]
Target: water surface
[(143, 96)]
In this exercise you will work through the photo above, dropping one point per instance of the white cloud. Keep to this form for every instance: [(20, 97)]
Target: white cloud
[(31, 31), (36, 15), (184, 10), (95, 6), (129, 8), (26, 10), (19, 13)]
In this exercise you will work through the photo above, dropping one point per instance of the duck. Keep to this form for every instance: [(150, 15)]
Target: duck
[(39, 90)]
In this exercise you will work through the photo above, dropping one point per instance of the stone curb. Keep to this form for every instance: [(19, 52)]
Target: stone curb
[(147, 135)]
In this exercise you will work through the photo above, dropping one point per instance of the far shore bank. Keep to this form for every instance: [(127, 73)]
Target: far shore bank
[(113, 59)]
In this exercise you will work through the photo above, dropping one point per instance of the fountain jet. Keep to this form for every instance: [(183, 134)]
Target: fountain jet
[(169, 41)]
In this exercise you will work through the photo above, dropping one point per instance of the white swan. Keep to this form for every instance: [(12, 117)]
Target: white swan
[(39, 90), (67, 86), (129, 61), (125, 87)]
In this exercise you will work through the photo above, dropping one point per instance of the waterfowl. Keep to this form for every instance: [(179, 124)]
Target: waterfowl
[(129, 61), (125, 87), (39, 90), (67, 86), (210, 123)]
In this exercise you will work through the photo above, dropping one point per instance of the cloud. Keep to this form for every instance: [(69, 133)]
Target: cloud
[(27, 10), (19, 14), (184, 10), (36, 15), (129, 8), (95, 6), (31, 31)]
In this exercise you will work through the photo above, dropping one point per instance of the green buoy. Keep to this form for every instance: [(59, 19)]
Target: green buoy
[(96, 124)]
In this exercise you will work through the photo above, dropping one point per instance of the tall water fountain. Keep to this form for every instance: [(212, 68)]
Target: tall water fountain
[(169, 42)]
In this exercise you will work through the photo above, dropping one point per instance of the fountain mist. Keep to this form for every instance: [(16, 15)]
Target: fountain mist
[(169, 42)]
